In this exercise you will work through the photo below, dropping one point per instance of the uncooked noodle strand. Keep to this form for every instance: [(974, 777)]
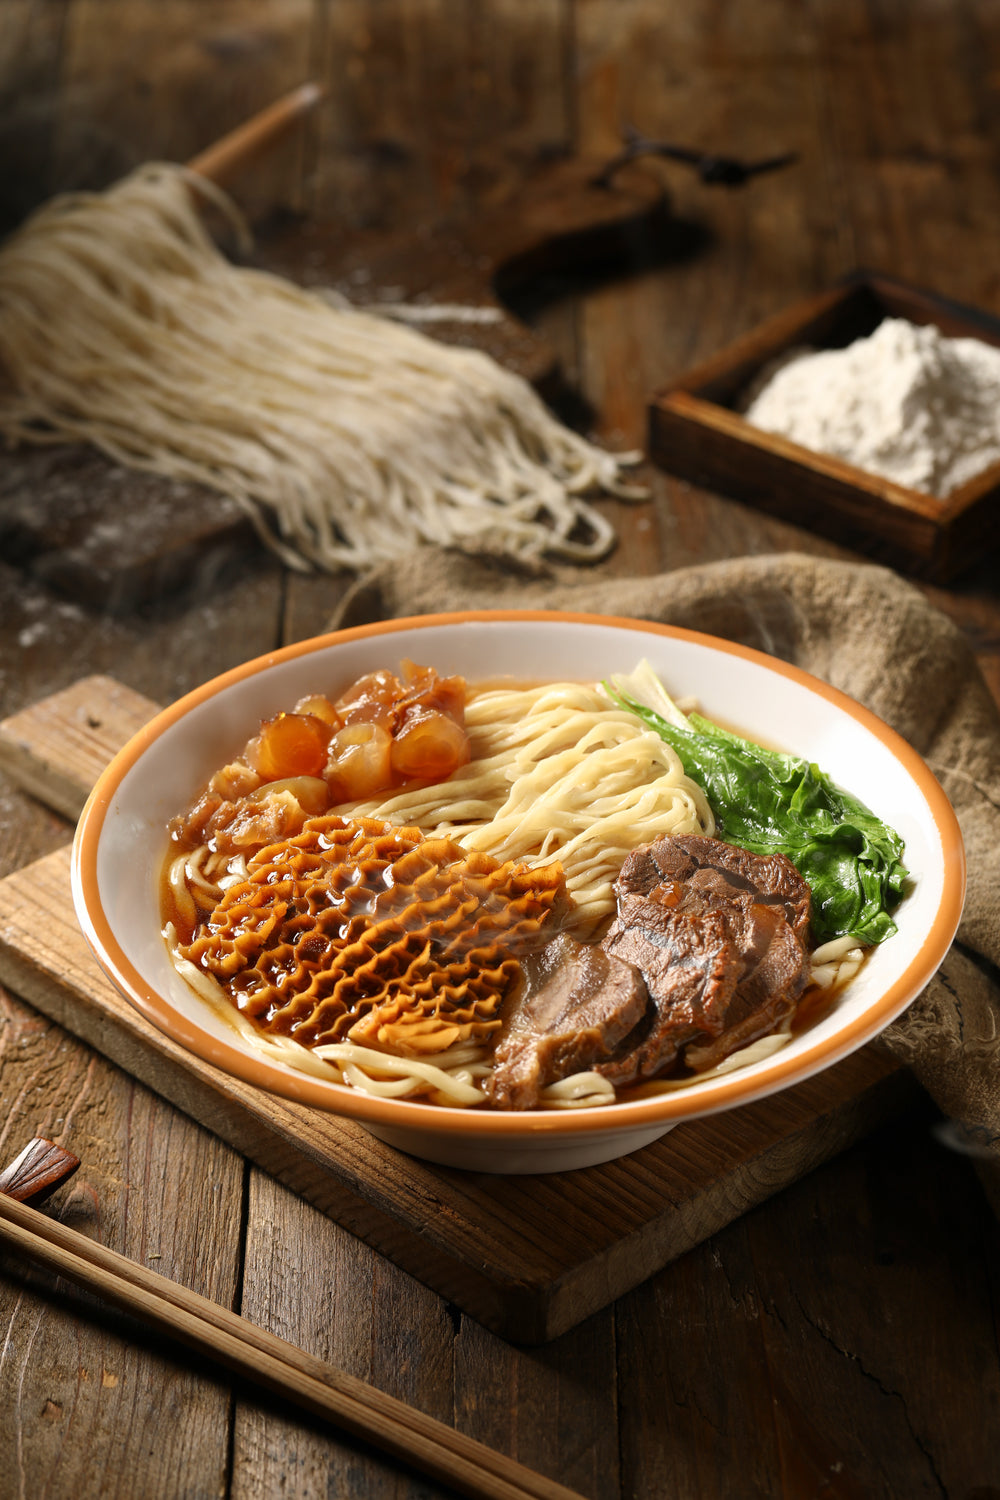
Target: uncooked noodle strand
[(347, 437)]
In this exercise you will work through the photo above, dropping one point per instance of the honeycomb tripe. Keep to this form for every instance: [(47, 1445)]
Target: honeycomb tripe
[(358, 930)]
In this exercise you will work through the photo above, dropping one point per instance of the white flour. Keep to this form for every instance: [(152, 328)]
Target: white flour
[(906, 403)]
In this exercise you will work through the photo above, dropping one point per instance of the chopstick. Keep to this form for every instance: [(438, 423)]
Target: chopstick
[(399, 1430), (233, 151)]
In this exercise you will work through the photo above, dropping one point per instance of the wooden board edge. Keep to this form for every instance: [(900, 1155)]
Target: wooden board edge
[(657, 1244), (695, 412), (43, 746), (531, 1310), (455, 1279), (800, 496), (45, 782)]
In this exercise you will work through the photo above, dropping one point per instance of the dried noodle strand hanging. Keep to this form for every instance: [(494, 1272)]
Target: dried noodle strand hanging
[(349, 438)]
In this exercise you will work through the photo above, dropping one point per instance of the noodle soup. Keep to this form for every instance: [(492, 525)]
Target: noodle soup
[(120, 847), (402, 942)]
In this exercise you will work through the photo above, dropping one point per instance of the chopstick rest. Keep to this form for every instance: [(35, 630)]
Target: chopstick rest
[(36, 1173), (401, 1431)]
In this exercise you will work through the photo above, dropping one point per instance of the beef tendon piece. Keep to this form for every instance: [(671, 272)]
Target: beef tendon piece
[(576, 1005)]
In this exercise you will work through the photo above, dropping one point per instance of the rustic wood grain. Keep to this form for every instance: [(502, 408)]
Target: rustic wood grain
[(30, 52), (71, 1374), (781, 1357), (335, 1303), (841, 1338), (162, 648), (109, 538), (530, 1257), (57, 748), (164, 81), (434, 107)]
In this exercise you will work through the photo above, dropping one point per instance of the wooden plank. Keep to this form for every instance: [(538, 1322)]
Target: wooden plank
[(59, 747), (193, 72), (555, 1412), (30, 53), (529, 1257), (713, 271), (343, 1303), (436, 107), (153, 1186), (109, 537)]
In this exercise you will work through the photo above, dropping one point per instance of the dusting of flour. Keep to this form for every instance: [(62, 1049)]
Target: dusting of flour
[(906, 403)]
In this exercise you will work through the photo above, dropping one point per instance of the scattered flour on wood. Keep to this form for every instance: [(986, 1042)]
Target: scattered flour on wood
[(905, 403), (30, 635)]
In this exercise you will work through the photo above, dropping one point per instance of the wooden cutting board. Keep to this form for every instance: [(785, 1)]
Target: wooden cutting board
[(530, 1257)]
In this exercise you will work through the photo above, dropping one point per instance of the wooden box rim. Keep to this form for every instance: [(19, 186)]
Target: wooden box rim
[(690, 402)]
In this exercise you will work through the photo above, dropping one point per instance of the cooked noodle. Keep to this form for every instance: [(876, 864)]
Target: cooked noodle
[(455, 1078), (764, 1046), (347, 437), (556, 772), (835, 962)]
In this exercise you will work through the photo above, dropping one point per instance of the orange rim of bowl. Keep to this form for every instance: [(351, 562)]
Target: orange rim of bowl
[(726, 1092)]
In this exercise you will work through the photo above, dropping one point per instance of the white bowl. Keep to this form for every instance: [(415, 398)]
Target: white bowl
[(121, 843)]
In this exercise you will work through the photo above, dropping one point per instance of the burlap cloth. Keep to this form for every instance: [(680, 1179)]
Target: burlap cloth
[(866, 631)]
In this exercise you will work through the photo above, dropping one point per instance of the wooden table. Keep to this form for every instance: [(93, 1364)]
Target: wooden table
[(839, 1340)]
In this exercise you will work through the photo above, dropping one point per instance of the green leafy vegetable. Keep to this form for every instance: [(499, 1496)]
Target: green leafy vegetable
[(768, 802)]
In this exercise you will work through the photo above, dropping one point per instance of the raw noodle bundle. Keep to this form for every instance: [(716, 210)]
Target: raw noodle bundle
[(347, 437)]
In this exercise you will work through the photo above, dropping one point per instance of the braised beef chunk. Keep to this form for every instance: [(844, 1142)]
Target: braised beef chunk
[(690, 966), (707, 953), (668, 894), (576, 1004), (766, 1018), (769, 878), (780, 967), (771, 955)]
